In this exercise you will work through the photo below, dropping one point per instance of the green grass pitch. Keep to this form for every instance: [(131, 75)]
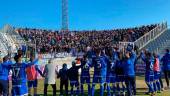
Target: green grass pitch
[(141, 88)]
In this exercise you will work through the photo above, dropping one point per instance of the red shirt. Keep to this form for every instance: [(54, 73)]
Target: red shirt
[(31, 73), (156, 65)]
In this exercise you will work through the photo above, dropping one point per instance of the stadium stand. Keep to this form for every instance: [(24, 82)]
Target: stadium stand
[(48, 41), (2, 46), (12, 41), (160, 44)]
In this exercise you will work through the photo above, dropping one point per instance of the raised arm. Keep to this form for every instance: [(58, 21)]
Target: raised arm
[(31, 63), (45, 71), (38, 69), (142, 56), (133, 56), (56, 69), (7, 63)]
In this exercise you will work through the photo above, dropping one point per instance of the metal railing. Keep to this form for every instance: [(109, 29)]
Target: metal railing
[(148, 37)]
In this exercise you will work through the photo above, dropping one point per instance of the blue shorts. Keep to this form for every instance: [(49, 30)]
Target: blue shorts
[(32, 83), (157, 75), (19, 90), (85, 79), (99, 79), (111, 79), (74, 83), (149, 77), (120, 78), (4, 87)]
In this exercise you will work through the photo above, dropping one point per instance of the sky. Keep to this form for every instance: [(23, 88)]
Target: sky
[(83, 14)]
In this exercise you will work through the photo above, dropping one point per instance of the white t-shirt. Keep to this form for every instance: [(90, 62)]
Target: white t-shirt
[(50, 73)]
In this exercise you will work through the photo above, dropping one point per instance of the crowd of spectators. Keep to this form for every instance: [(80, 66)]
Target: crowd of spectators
[(49, 41)]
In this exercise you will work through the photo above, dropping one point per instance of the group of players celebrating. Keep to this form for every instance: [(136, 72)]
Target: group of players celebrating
[(112, 68)]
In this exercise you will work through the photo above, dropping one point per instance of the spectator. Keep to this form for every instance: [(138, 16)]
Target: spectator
[(47, 41)]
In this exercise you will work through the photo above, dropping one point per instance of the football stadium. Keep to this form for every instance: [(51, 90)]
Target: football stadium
[(97, 57)]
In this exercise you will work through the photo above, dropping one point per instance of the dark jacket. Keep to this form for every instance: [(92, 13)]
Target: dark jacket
[(73, 73), (63, 74)]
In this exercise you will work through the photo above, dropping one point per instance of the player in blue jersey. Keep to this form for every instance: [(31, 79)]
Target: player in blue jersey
[(149, 74), (115, 54), (85, 74), (89, 52), (19, 79), (100, 69), (129, 72), (4, 72), (120, 77), (111, 76)]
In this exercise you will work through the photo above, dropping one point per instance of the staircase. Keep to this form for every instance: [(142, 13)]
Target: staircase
[(160, 43)]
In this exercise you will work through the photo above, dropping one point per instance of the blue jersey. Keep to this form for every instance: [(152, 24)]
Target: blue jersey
[(111, 75), (112, 63), (19, 72), (110, 67), (100, 66), (119, 67), (166, 61), (115, 56), (85, 68), (4, 70), (149, 64), (149, 61), (129, 67), (19, 79), (90, 54)]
